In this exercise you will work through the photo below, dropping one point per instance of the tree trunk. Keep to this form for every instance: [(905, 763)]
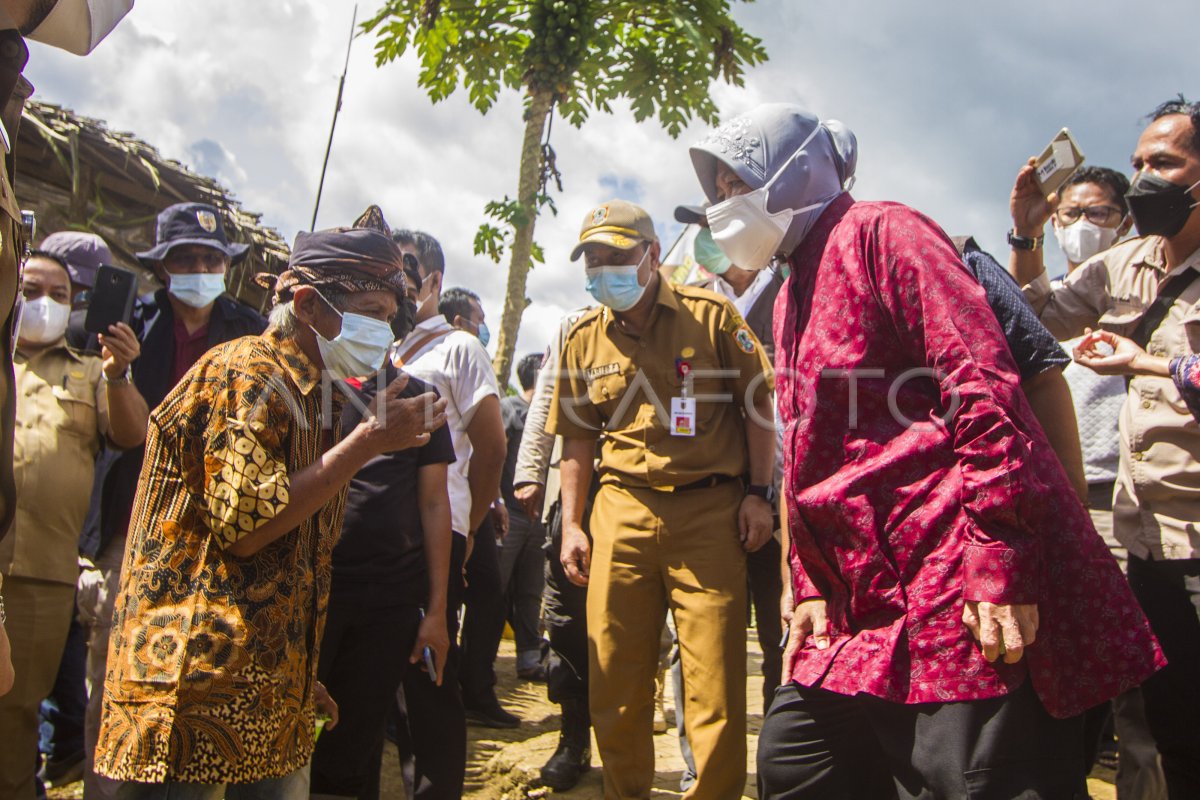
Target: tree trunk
[(518, 268)]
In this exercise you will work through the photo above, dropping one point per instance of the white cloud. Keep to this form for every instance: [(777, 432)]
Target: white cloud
[(947, 99)]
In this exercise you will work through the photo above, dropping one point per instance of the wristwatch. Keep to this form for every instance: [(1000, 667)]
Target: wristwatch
[(1018, 242), (122, 380), (766, 492)]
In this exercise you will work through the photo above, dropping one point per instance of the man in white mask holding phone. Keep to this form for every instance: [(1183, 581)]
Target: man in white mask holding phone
[(69, 403)]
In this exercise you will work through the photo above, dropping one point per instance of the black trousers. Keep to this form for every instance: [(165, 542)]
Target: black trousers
[(1169, 592), (364, 656), (432, 727), (564, 607), (766, 587), (825, 746), (484, 615)]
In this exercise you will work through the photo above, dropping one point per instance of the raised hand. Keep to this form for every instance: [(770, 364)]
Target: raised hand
[(1030, 209)]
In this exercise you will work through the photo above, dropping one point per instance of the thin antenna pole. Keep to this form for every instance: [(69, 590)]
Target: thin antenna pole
[(333, 125)]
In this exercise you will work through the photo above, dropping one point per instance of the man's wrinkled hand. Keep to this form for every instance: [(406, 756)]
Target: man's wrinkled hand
[(755, 522), (1002, 630), (398, 423), (530, 496), (576, 554)]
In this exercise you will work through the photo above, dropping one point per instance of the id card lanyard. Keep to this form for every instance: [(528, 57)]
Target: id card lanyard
[(683, 408)]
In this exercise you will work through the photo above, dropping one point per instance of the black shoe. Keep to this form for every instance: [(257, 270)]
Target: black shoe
[(569, 763), (492, 716), (573, 758)]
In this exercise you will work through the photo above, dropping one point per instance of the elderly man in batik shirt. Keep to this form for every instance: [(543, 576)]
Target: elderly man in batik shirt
[(955, 610), (212, 665)]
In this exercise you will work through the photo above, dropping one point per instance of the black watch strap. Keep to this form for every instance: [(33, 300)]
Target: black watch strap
[(1018, 242), (765, 491)]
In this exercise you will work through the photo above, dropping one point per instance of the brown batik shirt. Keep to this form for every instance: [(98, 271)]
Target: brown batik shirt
[(213, 657)]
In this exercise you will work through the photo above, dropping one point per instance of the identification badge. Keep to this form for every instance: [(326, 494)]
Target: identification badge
[(683, 416)]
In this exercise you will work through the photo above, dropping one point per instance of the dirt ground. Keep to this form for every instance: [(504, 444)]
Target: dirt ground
[(503, 764)]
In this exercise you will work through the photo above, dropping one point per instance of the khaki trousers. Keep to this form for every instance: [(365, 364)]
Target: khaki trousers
[(39, 614), (654, 551)]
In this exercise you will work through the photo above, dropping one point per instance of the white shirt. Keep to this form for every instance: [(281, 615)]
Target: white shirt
[(456, 364), (748, 298)]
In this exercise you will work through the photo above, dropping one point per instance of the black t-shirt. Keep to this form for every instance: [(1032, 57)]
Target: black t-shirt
[(382, 539)]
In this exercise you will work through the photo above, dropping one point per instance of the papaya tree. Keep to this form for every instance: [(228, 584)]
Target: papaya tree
[(576, 56)]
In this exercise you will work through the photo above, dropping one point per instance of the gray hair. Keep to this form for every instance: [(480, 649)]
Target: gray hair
[(283, 318)]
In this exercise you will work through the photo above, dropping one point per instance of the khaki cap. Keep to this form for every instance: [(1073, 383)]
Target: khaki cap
[(618, 224)]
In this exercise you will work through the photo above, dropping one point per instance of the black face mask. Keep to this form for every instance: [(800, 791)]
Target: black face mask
[(1159, 207), (405, 319)]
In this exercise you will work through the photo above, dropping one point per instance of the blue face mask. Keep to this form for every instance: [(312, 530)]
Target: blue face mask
[(485, 335), (617, 287), (197, 290), (359, 349)]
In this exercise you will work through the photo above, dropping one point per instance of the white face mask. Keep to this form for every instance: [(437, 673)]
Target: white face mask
[(77, 26), (744, 229), (43, 320), (1083, 239), (359, 350), (197, 290)]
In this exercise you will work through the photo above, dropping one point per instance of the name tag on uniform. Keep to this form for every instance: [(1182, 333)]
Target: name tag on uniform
[(683, 416)]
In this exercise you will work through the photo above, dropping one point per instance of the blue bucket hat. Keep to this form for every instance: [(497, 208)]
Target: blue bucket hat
[(191, 223)]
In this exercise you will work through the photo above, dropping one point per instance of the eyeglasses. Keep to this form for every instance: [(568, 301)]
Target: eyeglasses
[(1105, 216), (207, 260)]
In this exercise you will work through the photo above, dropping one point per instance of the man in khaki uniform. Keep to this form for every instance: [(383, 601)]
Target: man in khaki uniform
[(675, 388), (66, 401), (1147, 289)]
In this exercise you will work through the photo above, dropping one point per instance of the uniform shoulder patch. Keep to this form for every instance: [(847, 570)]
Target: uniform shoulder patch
[(745, 340)]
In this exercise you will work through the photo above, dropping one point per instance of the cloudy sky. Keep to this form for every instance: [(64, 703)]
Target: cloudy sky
[(947, 99)]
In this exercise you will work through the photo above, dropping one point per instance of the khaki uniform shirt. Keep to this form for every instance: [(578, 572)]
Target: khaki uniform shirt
[(62, 413), (538, 458), (213, 656), (1157, 504), (620, 387)]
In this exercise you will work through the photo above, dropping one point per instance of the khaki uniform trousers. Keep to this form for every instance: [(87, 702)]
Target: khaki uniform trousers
[(653, 552), (39, 614)]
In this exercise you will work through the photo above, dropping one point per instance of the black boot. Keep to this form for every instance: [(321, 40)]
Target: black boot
[(573, 758)]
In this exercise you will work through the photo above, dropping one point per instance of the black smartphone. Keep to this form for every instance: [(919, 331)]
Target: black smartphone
[(112, 299)]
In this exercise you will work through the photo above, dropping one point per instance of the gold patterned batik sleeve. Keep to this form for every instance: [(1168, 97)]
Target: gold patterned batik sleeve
[(246, 481)]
